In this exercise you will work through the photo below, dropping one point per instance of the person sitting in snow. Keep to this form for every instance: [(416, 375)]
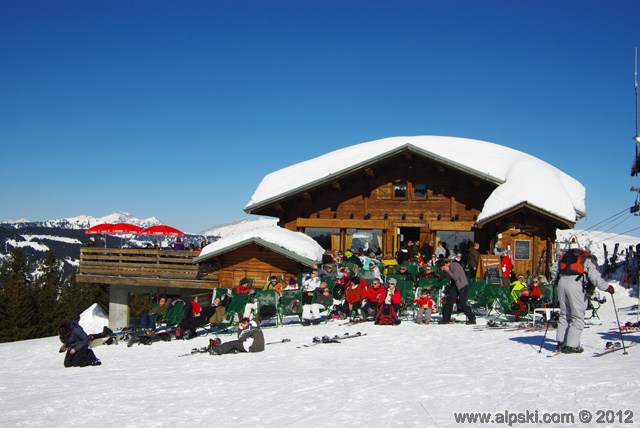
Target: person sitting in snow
[(250, 339), (75, 343)]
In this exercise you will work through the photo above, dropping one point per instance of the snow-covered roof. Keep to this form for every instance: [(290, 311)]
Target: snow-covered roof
[(520, 178), (294, 245), (238, 226)]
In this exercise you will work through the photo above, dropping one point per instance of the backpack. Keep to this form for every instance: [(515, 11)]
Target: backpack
[(572, 263), (294, 306), (267, 311), (387, 315)]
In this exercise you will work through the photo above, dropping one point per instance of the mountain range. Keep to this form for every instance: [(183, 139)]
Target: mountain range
[(65, 237)]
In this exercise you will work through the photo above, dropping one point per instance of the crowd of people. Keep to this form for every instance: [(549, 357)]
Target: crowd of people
[(366, 288)]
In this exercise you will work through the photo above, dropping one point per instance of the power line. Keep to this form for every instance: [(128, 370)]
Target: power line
[(609, 218)]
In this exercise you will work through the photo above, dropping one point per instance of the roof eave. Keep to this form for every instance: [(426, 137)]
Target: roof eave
[(408, 146), (289, 254), (525, 204)]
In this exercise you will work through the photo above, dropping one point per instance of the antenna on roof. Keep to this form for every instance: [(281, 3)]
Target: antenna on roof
[(635, 168)]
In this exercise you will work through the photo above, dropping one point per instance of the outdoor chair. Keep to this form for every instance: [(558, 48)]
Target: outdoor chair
[(287, 307), (236, 307), (173, 315), (267, 298)]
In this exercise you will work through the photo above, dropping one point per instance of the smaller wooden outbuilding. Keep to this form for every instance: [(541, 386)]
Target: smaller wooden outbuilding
[(258, 254)]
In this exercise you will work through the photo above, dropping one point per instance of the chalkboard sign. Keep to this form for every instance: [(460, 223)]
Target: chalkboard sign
[(522, 250), (493, 276)]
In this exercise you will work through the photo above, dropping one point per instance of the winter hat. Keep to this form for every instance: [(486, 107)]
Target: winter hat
[(244, 281), (393, 281)]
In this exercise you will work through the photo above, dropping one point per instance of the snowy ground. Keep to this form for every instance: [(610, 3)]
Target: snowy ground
[(408, 375)]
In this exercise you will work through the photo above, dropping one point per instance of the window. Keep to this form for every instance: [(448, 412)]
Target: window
[(367, 240), (323, 236), (419, 191), (399, 190)]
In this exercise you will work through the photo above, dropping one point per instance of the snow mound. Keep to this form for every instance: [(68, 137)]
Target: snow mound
[(93, 319)]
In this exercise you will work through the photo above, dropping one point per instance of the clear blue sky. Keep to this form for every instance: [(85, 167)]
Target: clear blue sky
[(178, 109)]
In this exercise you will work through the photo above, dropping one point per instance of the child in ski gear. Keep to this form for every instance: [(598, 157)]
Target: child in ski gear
[(250, 339), (571, 273), (76, 344), (456, 291), (426, 306)]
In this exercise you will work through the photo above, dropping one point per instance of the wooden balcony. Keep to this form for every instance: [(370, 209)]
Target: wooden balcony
[(143, 267)]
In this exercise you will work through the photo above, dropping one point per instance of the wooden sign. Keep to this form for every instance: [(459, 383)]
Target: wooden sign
[(487, 261), (493, 276)]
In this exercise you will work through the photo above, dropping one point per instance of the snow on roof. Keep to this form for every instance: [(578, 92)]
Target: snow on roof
[(294, 242), (239, 226), (520, 177)]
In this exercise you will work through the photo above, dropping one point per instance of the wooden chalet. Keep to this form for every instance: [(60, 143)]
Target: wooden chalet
[(406, 190), (256, 258)]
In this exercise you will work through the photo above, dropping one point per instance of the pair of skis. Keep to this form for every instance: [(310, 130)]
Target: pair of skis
[(216, 342), (334, 339)]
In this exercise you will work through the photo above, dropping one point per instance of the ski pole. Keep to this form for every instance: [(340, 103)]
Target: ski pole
[(546, 330), (619, 328)]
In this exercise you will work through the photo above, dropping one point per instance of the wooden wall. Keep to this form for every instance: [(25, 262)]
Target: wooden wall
[(254, 262), (365, 200)]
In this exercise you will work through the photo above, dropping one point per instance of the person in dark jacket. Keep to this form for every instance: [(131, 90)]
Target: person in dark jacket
[(250, 339), (456, 291), (75, 343)]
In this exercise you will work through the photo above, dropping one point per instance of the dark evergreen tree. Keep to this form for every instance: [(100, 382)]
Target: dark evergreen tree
[(48, 286), (139, 304), (17, 300), (77, 297)]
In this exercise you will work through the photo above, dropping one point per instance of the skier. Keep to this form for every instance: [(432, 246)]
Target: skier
[(571, 273), (250, 339)]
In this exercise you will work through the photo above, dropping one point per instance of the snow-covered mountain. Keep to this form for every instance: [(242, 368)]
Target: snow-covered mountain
[(82, 221), (65, 237)]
